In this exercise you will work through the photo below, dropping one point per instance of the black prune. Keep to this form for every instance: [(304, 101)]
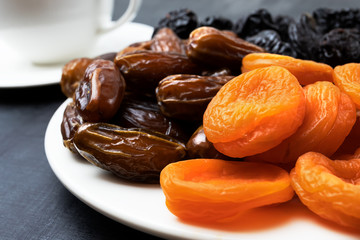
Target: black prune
[(340, 46), (328, 19), (182, 22), (254, 23), (304, 37), (282, 23), (220, 23), (271, 41)]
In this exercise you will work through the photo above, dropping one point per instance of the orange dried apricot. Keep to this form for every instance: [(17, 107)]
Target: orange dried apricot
[(347, 78), (254, 112), (329, 188), (351, 142), (330, 116), (306, 71), (207, 190)]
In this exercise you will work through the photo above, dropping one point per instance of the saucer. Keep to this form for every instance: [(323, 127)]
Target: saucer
[(16, 72)]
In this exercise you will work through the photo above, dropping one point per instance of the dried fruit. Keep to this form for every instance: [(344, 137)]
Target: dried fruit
[(199, 146), (143, 70), (72, 73), (305, 71), (217, 22), (165, 40), (71, 121), (186, 97), (181, 21), (145, 113), (131, 154), (99, 94), (330, 116), (347, 78), (208, 190), (329, 188), (271, 41), (254, 112), (214, 47)]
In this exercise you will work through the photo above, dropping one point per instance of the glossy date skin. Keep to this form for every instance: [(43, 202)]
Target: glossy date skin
[(70, 123), (199, 146), (143, 70), (99, 94), (165, 40), (72, 74), (145, 113), (185, 96), (218, 48), (131, 154)]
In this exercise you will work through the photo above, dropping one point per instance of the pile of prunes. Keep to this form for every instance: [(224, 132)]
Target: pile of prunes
[(325, 35)]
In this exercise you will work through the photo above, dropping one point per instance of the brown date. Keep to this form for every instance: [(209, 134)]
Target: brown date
[(199, 146), (72, 74), (217, 48), (138, 46), (145, 114), (165, 40), (143, 70), (70, 123), (99, 94), (186, 97), (131, 154)]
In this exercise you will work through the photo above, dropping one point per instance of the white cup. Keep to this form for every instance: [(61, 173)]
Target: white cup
[(54, 31)]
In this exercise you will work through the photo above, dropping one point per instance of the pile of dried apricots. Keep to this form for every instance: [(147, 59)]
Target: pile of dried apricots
[(222, 124)]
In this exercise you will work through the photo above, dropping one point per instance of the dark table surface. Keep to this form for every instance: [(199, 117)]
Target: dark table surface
[(33, 202)]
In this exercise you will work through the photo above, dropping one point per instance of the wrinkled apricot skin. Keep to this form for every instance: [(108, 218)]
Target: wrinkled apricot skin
[(347, 78), (305, 71), (330, 116), (218, 190), (254, 112), (329, 188)]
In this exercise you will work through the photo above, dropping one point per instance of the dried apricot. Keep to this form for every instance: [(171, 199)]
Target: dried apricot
[(329, 188), (254, 112), (306, 71), (219, 190), (347, 78), (330, 116)]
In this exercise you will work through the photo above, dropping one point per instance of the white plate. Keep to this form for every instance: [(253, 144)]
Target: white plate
[(142, 206), (17, 72)]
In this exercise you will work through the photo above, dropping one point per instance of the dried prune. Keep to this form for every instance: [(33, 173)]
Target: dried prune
[(304, 37), (340, 46), (181, 21), (186, 96), (143, 70), (271, 41), (211, 46), (99, 94), (328, 19), (282, 24), (70, 123), (253, 23), (144, 113), (218, 22), (131, 154)]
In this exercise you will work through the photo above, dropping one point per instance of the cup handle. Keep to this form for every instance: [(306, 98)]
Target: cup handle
[(105, 22)]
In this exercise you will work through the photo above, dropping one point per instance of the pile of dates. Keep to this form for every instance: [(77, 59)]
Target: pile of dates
[(135, 111)]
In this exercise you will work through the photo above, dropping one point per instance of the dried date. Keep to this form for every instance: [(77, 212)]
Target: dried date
[(216, 48), (186, 96), (131, 154), (72, 74), (99, 94), (143, 70), (70, 123)]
